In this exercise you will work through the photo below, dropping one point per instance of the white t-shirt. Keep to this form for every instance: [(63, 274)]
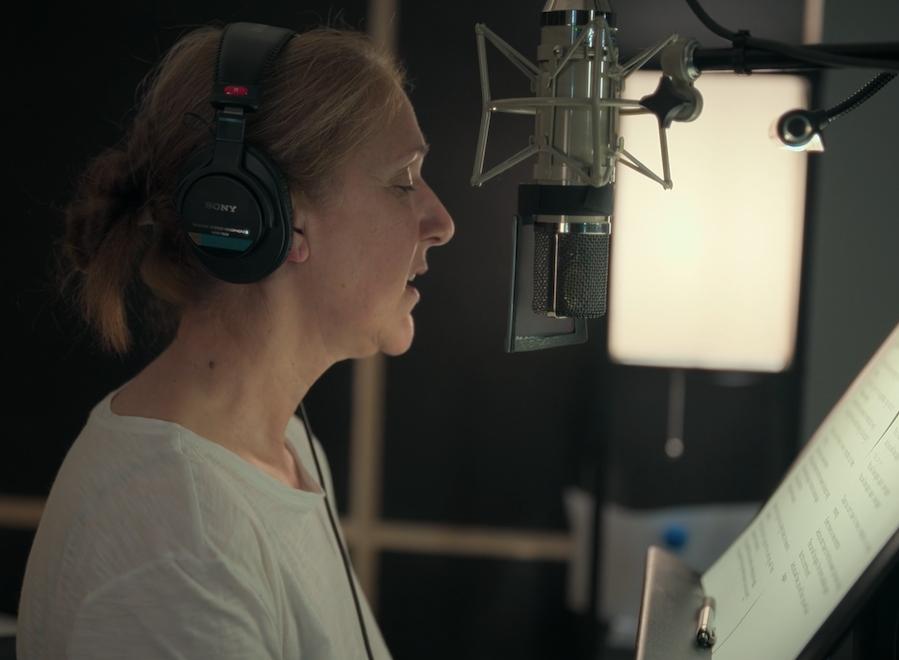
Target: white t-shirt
[(158, 543)]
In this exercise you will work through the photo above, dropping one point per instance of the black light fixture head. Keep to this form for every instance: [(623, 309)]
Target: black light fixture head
[(800, 130)]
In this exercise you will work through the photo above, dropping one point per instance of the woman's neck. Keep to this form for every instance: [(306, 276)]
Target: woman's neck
[(238, 388)]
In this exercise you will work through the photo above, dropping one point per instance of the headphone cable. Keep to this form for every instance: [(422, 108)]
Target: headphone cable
[(343, 552)]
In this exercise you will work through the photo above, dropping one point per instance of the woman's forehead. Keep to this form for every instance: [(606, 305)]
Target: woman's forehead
[(399, 142)]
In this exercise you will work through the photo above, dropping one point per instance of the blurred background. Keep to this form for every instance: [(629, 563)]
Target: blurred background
[(466, 476)]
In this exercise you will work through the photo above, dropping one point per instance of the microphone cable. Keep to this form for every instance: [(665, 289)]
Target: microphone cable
[(343, 551)]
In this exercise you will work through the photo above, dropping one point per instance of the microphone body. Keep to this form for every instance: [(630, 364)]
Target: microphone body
[(570, 201), (561, 232)]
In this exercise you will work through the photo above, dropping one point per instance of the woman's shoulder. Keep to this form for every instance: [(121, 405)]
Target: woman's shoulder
[(148, 487), (144, 486)]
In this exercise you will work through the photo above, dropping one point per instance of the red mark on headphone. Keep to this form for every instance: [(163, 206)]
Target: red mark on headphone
[(236, 90)]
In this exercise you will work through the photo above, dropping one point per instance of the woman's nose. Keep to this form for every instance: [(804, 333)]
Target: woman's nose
[(437, 227)]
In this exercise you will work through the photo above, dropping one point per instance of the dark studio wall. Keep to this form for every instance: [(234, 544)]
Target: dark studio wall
[(854, 273), (473, 436)]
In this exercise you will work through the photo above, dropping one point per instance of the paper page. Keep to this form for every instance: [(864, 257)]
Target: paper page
[(835, 510)]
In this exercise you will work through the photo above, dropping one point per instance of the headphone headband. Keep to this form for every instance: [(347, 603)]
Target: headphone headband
[(246, 54)]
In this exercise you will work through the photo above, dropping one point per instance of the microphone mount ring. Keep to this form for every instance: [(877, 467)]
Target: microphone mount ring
[(677, 60), (589, 172)]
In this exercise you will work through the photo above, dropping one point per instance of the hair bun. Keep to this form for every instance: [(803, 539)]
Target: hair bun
[(109, 193)]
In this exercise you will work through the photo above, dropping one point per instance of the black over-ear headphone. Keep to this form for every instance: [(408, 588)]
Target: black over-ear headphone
[(233, 201)]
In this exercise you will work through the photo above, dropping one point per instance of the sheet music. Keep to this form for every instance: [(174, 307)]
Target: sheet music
[(837, 507)]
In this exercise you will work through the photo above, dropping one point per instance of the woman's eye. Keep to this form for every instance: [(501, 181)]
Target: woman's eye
[(405, 189)]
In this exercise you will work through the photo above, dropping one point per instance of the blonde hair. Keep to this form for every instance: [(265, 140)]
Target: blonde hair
[(329, 92)]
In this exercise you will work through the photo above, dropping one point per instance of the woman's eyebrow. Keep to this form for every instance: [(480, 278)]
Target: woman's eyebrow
[(409, 156)]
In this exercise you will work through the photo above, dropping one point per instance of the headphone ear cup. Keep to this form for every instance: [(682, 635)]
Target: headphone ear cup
[(281, 188), (197, 161), (265, 214), (278, 239)]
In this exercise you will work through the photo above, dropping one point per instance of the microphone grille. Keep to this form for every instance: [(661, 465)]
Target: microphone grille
[(543, 260), (583, 269)]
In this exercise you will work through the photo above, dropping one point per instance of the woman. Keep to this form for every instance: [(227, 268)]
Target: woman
[(188, 519)]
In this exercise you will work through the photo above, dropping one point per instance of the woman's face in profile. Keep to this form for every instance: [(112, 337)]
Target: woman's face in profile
[(369, 238)]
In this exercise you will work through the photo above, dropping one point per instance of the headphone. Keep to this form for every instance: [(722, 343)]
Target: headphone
[(232, 199), (234, 202)]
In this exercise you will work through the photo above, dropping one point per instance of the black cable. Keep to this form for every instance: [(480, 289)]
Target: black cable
[(707, 20), (813, 56), (867, 91), (343, 552)]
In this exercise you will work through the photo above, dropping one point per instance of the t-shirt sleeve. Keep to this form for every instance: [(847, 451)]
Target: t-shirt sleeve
[(176, 607)]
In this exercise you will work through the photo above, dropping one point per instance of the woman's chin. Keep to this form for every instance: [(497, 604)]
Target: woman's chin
[(400, 340)]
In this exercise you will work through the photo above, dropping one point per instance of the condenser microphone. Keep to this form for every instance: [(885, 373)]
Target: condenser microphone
[(564, 220)]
